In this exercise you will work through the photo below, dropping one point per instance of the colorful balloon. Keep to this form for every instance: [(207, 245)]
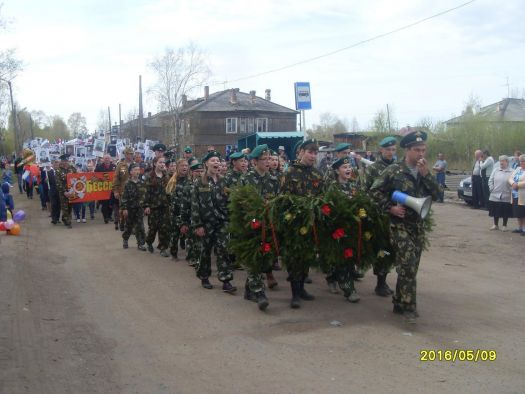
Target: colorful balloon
[(15, 230), (19, 216), (9, 216), (9, 224), (2, 226)]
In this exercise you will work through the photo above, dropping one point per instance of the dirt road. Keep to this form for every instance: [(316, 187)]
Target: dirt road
[(78, 314)]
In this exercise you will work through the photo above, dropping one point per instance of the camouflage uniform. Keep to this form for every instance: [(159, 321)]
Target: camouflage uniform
[(193, 244), (175, 208), (209, 210), (407, 234), (268, 187), (301, 180), (157, 200), (231, 179), (132, 200), (119, 181), (61, 181)]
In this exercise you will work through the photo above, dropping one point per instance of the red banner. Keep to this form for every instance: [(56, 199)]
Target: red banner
[(89, 186)]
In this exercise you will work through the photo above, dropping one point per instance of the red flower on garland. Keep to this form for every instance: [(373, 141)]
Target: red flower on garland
[(348, 253), (326, 210), (338, 233), (266, 247), (315, 183), (255, 224)]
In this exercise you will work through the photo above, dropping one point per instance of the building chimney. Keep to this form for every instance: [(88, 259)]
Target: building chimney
[(252, 96), (184, 100), (149, 114), (233, 96), (206, 92), (268, 94)]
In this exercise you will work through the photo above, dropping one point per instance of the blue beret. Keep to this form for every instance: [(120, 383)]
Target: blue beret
[(388, 141), (413, 138)]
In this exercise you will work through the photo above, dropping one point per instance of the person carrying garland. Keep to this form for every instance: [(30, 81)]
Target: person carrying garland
[(407, 229), (209, 221), (131, 204), (302, 179)]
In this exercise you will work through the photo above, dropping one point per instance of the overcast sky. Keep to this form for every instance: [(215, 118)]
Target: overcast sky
[(86, 55)]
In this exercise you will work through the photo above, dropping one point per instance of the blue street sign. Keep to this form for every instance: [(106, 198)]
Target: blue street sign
[(303, 99)]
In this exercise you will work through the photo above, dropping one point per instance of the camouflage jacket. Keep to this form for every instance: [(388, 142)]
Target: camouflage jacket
[(133, 195), (231, 180), (208, 204), (156, 195), (267, 185), (185, 203), (373, 171), (121, 176), (61, 178), (349, 188), (302, 180), (176, 197), (397, 176)]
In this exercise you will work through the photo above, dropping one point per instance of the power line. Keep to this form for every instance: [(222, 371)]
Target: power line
[(350, 46)]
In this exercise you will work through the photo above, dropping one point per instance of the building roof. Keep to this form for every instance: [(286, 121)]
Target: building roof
[(221, 102), (506, 110)]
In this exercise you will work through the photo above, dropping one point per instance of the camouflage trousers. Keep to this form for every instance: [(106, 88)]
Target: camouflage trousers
[(193, 249), (174, 238), (343, 275), (408, 246), (135, 225), (215, 237), (65, 207), (255, 278), (159, 222)]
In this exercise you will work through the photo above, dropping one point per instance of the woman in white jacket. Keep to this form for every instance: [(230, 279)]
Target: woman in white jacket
[(517, 182), (500, 194)]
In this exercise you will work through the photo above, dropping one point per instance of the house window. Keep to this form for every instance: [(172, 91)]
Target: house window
[(261, 124), (250, 125), (231, 125), (242, 125)]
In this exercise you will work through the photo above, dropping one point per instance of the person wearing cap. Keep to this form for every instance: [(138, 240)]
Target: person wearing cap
[(156, 206), (209, 221), (106, 206), (65, 168), (407, 230), (159, 150), (187, 153), (282, 152), (302, 179), (175, 189), (268, 187), (341, 151), (387, 152), (274, 164), (131, 204), (193, 243), (343, 275), (119, 181)]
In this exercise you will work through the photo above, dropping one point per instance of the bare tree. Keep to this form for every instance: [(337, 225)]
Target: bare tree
[(329, 124), (77, 124), (179, 72)]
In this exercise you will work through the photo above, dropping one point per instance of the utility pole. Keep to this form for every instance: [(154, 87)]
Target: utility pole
[(13, 111), (109, 120), (141, 114), (31, 127), (388, 118), (120, 121)]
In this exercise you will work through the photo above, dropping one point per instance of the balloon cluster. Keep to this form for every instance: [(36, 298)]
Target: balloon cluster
[(12, 224)]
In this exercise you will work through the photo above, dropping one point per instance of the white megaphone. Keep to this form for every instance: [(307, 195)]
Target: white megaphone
[(420, 205)]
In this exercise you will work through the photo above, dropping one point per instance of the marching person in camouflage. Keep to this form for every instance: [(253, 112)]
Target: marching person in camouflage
[(235, 173), (61, 181), (344, 275), (193, 243), (175, 190), (410, 176), (119, 181), (387, 152), (131, 204), (268, 187), (209, 221), (302, 179), (156, 207)]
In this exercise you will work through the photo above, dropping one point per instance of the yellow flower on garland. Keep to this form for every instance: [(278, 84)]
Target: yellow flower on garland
[(303, 230), (367, 235), (362, 213), (288, 216), (381, 254)]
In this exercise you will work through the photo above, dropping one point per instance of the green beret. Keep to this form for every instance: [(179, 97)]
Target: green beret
[(159, 147), (64, 157), (191, 159), (237, 156), (273, 153), (388, 141), (340, 162), (297, 145), (258, 151), (342, 146), (196, 166), (132, 166), (309, 144), (211, 154), (413, 138), (188, 150)]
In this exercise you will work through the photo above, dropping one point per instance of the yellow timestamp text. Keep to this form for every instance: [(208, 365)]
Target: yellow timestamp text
[(453, 355)]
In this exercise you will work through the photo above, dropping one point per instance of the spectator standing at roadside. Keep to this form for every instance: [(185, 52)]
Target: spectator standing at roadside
[(477, 185), (487, 166), (440, 168), (517, 181), (19, 171), (500, 194), (515, 163)]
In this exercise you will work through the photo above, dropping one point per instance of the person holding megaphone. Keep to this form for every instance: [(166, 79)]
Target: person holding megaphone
[(410, 182)]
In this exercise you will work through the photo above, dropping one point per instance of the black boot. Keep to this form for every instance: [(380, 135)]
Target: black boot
[(262, 301), (303, 293), (296, 289), (248, 294), (125, 243), (382, 288)]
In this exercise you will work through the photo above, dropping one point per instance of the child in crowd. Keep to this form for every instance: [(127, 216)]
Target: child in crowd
[(8, 198)]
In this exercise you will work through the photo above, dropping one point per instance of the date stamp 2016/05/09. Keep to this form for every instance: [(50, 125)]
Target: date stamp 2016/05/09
[(453, 355)]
